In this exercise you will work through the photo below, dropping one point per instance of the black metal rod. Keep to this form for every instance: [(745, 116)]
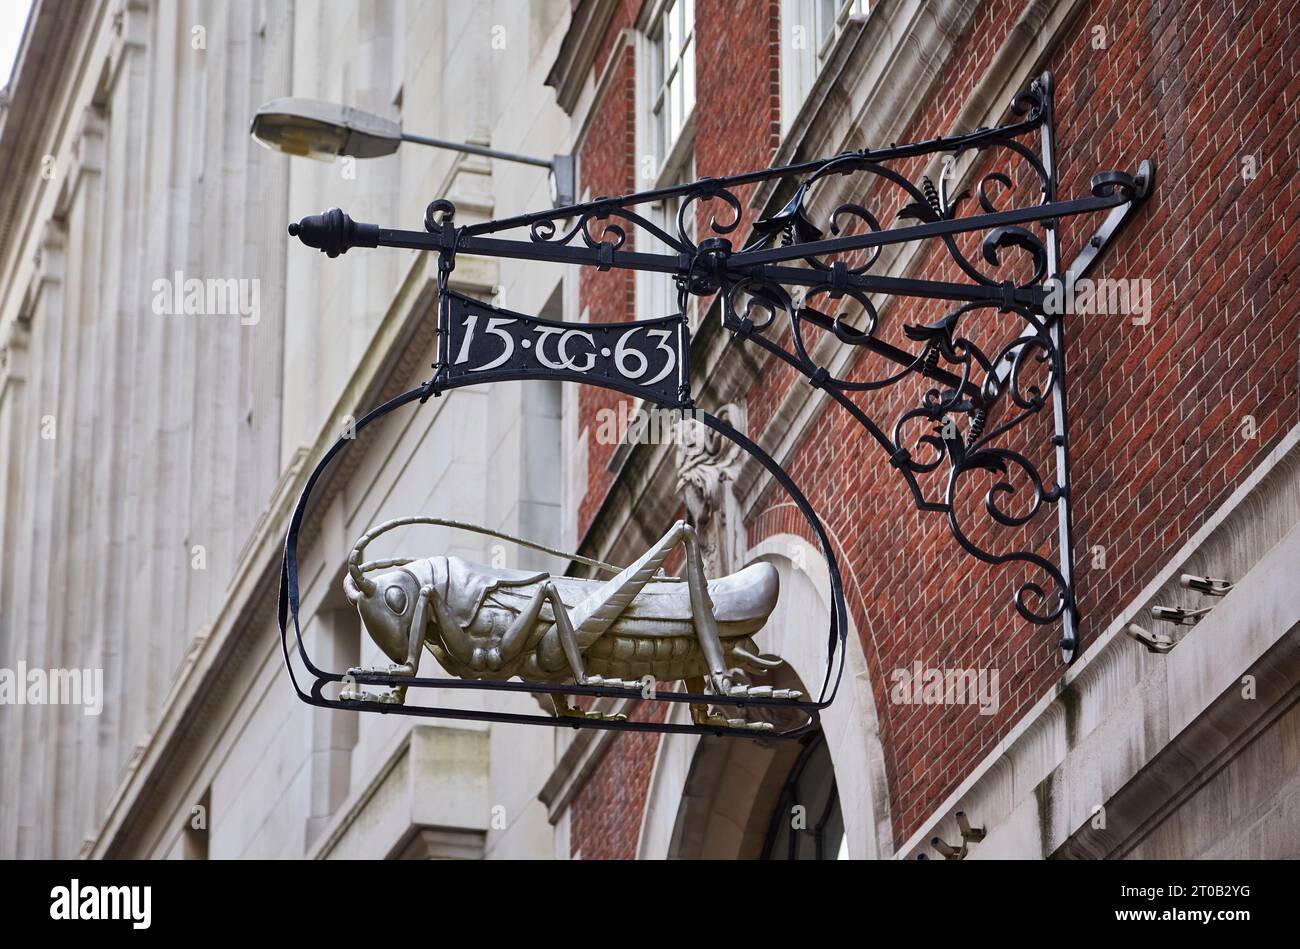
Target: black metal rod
[(568, 688), (889, 286), (516, 718), (951, 143), (900, 356), (899, 235), (672, 264)]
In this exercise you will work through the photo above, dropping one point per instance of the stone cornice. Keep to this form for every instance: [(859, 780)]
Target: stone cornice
[(420, 803), (30, 123), (130, 22), (568, 74)]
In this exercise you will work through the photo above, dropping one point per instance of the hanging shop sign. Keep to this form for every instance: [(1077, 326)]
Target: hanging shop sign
[(619, 632), (645, 358)]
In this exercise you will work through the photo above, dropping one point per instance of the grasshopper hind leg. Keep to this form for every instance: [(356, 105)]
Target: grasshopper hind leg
[(703, 717), (573, 654), (700, 712), (564, 710)]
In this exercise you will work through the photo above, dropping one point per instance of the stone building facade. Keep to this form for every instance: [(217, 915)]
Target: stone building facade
[(152, 457), (153, 451)]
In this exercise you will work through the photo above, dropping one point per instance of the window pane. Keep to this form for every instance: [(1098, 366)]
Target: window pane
[(656, 58), (826, 10), (688, 81), (674, 73), (820, 831), (673, 31)]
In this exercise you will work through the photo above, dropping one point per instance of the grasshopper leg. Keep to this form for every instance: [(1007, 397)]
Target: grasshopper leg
[(706, 625), (415, 636), (569, 643), (699, 712), (701, 716), (564, 710), (594, 616)]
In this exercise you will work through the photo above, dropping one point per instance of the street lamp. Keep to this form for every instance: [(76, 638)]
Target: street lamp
[(311, 128)]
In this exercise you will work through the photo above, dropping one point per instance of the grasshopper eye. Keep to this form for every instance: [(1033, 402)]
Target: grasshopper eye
[(395, 597)]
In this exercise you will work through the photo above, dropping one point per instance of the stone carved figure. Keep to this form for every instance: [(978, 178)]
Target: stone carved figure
[(494, 623), (707, 468)]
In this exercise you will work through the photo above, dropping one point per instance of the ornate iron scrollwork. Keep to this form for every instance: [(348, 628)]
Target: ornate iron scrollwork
[(977, 390)]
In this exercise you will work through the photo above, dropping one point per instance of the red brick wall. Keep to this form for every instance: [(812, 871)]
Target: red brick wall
[(605, 816), (607, 163), (1156, 410), (737, 48)]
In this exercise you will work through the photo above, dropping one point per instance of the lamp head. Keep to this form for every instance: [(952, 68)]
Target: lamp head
[(324, 130)]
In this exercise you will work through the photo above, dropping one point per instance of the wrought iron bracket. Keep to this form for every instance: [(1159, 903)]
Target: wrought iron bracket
[(975, 382)]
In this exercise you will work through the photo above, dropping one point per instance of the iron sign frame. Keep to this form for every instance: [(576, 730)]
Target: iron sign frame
[(984, 386)]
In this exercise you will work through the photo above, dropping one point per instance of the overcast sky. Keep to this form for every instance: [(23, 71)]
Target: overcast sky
[(13, 14)]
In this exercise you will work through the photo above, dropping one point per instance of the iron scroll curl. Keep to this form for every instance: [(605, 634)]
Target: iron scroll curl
[(461, 320)]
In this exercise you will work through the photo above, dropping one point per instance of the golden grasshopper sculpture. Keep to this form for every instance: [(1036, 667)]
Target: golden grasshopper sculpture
[(482, 622)]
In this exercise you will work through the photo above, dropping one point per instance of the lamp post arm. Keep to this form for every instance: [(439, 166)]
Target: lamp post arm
[(478, 150)]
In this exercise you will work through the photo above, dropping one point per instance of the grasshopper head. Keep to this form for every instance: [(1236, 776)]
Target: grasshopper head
[(386, 603)]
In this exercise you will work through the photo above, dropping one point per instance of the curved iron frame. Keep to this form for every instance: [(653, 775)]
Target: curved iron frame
[(788, 250), (288, 603)]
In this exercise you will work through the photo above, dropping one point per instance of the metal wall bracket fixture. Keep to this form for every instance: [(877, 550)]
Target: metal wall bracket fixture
[(972, 397)]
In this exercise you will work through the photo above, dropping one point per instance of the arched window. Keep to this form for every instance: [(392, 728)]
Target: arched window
[(807, 823)]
